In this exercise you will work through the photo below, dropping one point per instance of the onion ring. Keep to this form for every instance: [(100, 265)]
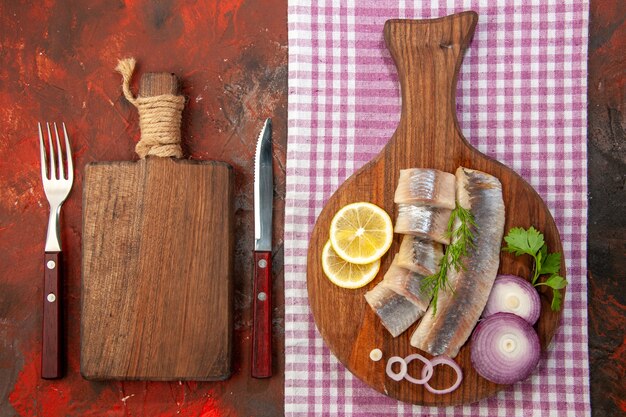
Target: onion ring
[(444, 360), (428, 366), (505, 348), (513, 294), (393, 375)]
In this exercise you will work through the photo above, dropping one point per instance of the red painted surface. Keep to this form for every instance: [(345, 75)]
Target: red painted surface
[(57, 64)]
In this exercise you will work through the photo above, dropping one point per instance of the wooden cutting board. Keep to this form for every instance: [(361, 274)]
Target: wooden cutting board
[(428, 55), (157, 266)]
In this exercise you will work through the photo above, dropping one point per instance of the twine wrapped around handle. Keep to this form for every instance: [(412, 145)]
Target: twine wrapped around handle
[(159, 117)]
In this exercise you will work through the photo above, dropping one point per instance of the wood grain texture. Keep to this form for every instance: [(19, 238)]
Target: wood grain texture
[(427, 54), (51, 347), (157, 266), (157, 246), (261, 363), (158, 83)]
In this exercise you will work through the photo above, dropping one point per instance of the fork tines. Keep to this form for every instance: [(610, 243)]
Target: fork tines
[(49, 169)]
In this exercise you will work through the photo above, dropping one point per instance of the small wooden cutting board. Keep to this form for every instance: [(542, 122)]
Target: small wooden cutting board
[(157, 266)]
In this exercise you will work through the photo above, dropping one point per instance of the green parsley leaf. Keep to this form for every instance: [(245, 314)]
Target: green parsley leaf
[(555, 282), (522, 241), (531, 242), (551, 264), (516, 241), (556, 300), (535, 240), (538, 260)]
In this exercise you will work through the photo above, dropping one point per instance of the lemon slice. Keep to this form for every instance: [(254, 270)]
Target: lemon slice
[(345, 274), (361, 233)]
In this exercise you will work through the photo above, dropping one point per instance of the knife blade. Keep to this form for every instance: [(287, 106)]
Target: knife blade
[(262, 306)]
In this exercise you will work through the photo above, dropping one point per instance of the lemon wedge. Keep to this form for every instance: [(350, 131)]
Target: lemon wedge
[(361, 233), (345, 274)]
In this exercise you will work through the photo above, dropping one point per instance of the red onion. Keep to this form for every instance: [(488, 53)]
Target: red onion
[(393, 375), (427, 370), (513, 294), (505, 348), (444, 360)]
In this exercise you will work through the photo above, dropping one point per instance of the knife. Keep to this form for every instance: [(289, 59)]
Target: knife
[(262, 308)]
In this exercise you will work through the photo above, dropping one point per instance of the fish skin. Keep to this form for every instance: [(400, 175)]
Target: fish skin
[(459, 311), (395, 311), (419, 255), (426, 222), (408, 284), (424, 186)]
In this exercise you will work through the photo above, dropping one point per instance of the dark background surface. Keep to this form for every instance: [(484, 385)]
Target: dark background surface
[(607, 207), (56, 63)]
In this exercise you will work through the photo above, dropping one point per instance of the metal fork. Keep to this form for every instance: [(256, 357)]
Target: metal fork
[(57, 184)]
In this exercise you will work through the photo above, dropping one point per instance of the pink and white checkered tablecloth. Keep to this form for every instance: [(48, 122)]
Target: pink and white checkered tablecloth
[(521, 99)]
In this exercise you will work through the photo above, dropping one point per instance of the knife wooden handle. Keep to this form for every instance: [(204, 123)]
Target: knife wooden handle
[(51, 338), (262, 319)]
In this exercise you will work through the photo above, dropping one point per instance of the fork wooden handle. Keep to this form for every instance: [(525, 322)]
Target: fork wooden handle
[(51, 338)]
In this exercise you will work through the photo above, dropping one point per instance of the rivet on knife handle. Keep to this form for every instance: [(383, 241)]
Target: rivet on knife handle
[(262, 330)]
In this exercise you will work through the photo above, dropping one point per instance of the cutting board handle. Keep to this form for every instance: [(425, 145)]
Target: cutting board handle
[(160, 110), (428, 55), (158, 83)]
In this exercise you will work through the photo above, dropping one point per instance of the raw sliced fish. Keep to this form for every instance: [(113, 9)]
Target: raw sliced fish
[(408, 284), (426, 222), (426, 187), (419, 255), (395, 311), (458, 312)]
